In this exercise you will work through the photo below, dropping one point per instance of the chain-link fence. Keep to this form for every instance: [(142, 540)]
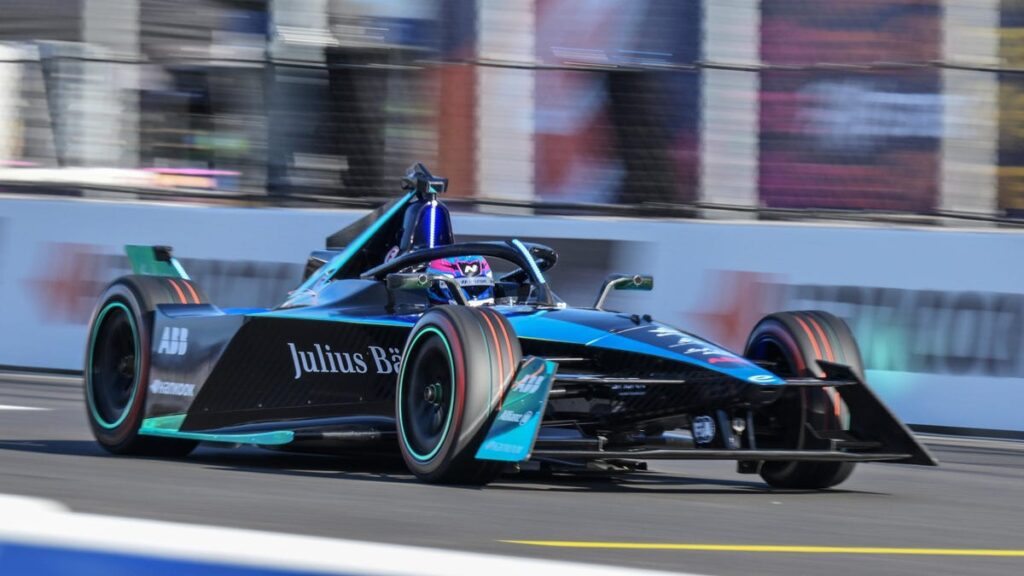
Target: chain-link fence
[(886, 106)]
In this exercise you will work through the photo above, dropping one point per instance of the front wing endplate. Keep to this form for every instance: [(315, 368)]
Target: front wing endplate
[(517, 422)]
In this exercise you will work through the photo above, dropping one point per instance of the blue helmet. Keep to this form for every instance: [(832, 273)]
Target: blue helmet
[(473, 273)]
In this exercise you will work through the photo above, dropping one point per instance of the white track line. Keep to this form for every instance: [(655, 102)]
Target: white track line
[(29, 408), (40, 377), (42, 523), (972, 442)]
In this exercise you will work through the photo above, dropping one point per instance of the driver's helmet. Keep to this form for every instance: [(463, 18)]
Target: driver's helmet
[(471, 272)]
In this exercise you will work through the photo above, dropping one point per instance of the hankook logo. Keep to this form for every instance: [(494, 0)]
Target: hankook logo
[(171, 388), (321, 359)]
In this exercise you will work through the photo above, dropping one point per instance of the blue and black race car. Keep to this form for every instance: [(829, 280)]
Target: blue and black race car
[(463, 358)]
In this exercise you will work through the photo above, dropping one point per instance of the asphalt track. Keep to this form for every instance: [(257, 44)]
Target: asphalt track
[(704, 518)]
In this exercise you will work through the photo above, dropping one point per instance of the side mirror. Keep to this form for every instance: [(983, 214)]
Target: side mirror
[(421, 281), (623, 282)]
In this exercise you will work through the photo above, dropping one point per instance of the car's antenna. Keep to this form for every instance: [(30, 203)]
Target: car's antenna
[(418, 178)]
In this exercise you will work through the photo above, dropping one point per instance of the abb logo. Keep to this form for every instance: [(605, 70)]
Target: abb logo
[(173, 341), (528, 385)]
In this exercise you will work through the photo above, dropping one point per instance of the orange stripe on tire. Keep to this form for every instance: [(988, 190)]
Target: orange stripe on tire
[(178, 290), (824, 340), (807, 329), (508, 344), (192, 291), (501, 364), (833, 394)]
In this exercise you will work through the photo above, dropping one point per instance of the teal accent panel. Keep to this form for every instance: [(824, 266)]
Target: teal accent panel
[(171, 423), (169, 427), (514, 431), (143, 261), (330, 316), (331, 268)]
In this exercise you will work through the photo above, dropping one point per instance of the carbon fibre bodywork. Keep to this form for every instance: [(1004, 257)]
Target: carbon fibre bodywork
[(320, 371), (316, 363)]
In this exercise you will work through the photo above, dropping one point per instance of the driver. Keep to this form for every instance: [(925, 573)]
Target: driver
[(471, 272)]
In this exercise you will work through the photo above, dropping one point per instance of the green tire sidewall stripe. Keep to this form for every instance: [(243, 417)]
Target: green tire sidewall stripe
[(88, 373), (451, 407)]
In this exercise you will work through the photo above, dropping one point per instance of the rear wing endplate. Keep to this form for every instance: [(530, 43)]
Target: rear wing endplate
[(154, 261)]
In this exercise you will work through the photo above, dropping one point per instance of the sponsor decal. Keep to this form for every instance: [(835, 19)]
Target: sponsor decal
[(69, 277), (898, 330), (512, 416), (511, 436), (701, 352), (529, 384), (848, 132), (504, 447), (322, 359), (703, 429), (689, 345), (469, 267), (762, 378), (166, 388), (666, 332), (173, 341), (474, 281), (629, 389)]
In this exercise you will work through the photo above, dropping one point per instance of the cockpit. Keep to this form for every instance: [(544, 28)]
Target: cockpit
[(413, 235)]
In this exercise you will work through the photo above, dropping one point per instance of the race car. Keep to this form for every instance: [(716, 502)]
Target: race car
[(461, 357)]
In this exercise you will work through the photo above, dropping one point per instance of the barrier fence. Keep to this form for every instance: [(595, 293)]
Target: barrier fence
[(939, 313), (904, 106)]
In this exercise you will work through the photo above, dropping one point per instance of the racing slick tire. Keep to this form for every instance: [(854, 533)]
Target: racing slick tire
[(117, 359), (793, 342), (456, 365)]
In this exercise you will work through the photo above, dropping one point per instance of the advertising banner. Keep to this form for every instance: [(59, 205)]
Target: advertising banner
[(938, 313), (840, 126), (623, 125), (1011, 109), (939, 322)]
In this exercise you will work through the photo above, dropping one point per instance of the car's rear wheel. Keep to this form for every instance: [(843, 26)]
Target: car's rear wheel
[(456, 365), (117, 367), (792, 342)]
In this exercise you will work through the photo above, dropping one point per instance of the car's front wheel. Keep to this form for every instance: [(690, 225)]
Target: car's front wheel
[(791, 342), (457, 363)]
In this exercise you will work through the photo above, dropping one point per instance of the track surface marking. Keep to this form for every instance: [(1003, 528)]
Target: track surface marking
[(777, 549), (974, 500)]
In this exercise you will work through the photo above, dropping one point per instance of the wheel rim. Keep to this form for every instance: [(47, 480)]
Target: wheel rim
[(113, 365), (426, 395), (768, 348)]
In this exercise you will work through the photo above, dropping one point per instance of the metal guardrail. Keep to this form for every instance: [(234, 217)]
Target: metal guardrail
[(693, 210)]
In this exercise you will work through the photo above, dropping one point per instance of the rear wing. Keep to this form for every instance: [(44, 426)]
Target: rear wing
[(154, 261)]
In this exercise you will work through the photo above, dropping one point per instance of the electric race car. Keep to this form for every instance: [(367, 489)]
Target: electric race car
[(400, 338)]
